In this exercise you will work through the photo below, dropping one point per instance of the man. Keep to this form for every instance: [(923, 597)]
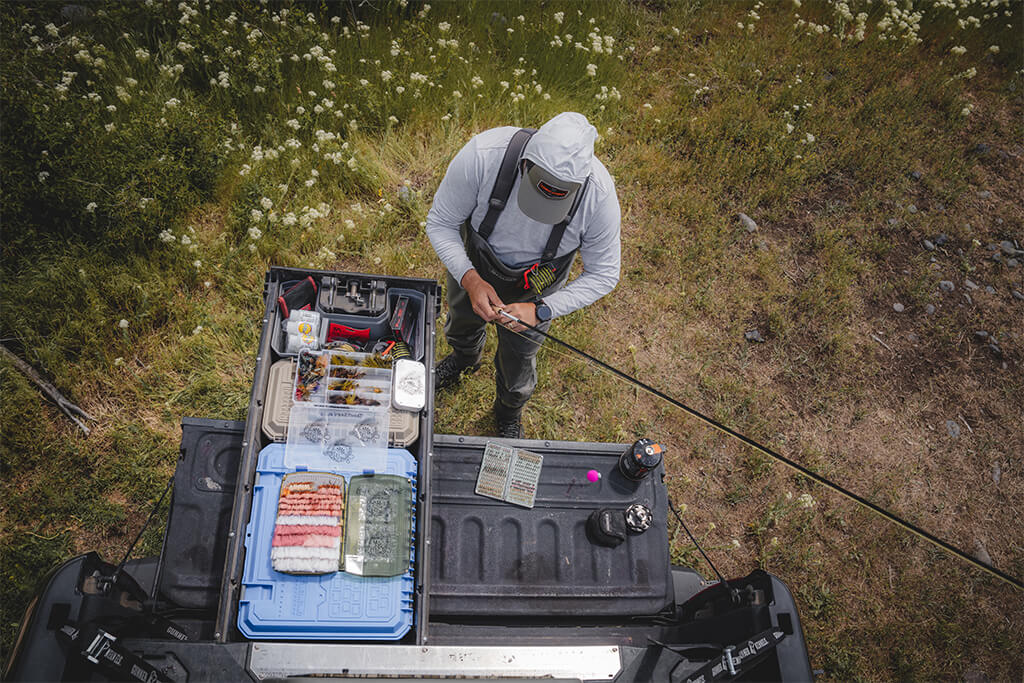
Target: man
[(507, 220)]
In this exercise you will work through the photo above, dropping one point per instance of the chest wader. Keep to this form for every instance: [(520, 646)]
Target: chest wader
[(525, 283)]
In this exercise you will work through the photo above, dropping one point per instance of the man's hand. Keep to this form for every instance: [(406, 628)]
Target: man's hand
[(482, 296), (527, 312)]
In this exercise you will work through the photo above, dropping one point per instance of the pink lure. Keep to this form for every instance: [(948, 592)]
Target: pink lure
[(593, 476)]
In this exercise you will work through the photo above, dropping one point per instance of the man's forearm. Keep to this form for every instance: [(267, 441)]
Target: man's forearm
[(581, 292)]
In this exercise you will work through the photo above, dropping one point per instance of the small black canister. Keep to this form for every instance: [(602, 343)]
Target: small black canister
[(639, 459)]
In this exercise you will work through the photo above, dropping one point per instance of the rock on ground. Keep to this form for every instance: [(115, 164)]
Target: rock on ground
[(747, 222)]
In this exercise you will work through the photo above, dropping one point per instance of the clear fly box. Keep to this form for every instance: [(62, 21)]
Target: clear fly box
[(344, 435)]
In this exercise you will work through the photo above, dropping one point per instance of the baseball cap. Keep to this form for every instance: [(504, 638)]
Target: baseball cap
[(557, 162)]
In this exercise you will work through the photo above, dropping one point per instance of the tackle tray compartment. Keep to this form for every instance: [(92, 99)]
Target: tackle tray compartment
[(336, 606), (403, 425), (379, 326), (492, 558)]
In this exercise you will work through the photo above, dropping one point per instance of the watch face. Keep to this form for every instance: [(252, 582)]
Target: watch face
[(543, 312)]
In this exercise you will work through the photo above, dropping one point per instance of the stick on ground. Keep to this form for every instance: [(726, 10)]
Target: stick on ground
[(69, 408)]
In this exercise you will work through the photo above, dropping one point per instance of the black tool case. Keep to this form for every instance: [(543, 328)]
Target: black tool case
[(254, 439)]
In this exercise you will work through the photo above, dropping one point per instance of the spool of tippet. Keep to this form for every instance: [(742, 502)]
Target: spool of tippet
[(639, 459), (638, 518), (301, 331)]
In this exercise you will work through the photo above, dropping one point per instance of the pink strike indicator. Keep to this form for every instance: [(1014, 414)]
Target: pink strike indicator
[(593, 476)]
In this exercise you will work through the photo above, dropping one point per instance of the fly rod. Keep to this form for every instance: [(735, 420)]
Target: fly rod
[(797, 467)]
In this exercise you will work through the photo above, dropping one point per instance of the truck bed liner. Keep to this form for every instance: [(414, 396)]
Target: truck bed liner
[(490, 558)]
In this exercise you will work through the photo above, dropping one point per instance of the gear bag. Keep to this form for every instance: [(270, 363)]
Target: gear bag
[(526, 282)]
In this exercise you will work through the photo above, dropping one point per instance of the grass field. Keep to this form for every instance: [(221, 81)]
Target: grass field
[(157, 158)]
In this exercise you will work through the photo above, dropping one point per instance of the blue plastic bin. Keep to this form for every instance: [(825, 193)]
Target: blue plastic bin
[(338, 606)]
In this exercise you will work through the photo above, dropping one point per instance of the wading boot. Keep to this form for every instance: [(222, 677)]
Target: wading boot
[(449, 371)]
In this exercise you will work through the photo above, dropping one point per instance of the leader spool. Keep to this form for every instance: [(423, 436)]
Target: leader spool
[(639, 459)]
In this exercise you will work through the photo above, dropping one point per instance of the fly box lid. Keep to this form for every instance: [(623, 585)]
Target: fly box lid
[(410, 385)]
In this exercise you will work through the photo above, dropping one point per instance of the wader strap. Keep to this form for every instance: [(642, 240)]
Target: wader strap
[(505, 180), (557, 232)]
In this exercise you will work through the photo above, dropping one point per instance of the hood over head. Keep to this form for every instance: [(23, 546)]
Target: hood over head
[(560, 155)]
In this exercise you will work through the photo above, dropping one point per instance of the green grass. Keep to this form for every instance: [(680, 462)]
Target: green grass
[(836, 247)]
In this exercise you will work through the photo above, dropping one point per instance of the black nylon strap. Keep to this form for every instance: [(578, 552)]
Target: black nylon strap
[(557, 232), (738, 659), (505, 180), (103, 651)]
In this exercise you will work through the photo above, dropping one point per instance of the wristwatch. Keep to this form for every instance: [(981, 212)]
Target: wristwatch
[(543, 311)]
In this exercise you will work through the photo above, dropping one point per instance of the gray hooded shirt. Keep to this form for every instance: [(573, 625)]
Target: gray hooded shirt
[(517, 239)]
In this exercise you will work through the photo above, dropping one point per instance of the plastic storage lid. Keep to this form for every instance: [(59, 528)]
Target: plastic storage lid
[(278, 402), (337, 606), (404, 428)]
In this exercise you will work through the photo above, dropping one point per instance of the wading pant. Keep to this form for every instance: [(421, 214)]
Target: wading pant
[(515, 362)]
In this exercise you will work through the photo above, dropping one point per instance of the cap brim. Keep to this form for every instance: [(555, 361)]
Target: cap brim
[(536, 204)]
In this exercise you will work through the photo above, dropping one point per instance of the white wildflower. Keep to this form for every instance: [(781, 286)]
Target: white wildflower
[(123, 324), (90, 207), (168, 236), (805, 500), (559, 16), (444, 27), (255, 233), (197, 263), (591, 69)]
